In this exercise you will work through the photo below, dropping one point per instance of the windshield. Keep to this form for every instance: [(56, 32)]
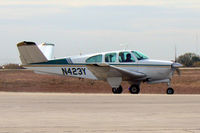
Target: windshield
[(139, 56)]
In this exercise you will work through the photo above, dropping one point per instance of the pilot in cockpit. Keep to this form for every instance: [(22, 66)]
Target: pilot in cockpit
[(128, 58)]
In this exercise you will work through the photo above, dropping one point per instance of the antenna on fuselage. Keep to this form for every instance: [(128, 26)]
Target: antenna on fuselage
[(80, 52), (124, 45)]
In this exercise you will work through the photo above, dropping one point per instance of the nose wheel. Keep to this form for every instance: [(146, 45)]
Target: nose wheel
[(117, 90), (170, 91)]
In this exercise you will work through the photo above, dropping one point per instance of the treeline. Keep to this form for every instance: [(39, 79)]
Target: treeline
[(11, 66), (189, 60)]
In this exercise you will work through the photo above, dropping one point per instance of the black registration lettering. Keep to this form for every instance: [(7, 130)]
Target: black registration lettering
[(83, 69), (79, 71), (73, 71), (69, 71), (64, 70)]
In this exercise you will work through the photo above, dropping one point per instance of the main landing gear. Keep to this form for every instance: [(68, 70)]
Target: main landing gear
[(117, 90), (134, 89)]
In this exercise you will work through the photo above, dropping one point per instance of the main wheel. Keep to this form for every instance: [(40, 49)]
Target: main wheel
[(120, 89), (117, 90), (170, 91), (134, 89)]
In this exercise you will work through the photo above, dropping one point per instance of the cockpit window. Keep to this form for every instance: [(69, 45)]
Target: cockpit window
[(139, 56), (94, 59), (126, 57), (111, 57)]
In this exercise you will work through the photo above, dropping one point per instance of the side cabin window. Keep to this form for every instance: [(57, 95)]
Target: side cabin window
[(94, 59), (110, 57), (126, 57)]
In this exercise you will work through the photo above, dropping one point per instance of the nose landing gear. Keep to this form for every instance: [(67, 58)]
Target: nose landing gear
[(170, 90)]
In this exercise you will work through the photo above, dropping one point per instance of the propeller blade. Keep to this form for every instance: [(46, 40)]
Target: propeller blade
[(175, 67), (178, 71)]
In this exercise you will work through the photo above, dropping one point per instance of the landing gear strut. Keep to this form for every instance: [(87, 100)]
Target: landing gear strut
[(170, 90), (134, 89), (117, 90)]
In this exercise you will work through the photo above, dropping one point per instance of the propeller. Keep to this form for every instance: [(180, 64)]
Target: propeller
[(175, 66)]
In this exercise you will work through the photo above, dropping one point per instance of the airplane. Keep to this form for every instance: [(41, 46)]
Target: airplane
[(113, 66)]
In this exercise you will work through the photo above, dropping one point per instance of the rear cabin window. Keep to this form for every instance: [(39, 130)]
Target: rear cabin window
[(111, 57), (126, 57), (94, 59)]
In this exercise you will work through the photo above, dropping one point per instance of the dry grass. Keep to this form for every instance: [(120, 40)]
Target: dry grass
[(27, 81)]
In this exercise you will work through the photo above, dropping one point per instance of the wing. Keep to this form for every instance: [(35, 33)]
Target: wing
[(103, 71)]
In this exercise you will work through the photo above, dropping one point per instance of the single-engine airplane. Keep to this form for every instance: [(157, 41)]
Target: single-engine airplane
[(113, 67)]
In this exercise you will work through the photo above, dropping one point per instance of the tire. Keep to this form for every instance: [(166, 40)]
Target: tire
[(134, 89), (170, 91), (114, 90), (118, 90)]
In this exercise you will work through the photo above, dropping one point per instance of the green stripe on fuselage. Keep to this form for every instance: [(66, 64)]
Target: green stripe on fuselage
[(53, 62)]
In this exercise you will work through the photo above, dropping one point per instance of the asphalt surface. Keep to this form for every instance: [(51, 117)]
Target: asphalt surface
[(97, 113)]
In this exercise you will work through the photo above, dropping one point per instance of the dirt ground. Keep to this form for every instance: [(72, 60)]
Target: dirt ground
[(28, 81)]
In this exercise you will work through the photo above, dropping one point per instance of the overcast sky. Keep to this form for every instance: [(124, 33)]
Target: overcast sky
[(88, 26)]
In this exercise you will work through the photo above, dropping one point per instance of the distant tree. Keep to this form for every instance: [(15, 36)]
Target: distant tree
[(189, 59), (197, 64), (12, 66)]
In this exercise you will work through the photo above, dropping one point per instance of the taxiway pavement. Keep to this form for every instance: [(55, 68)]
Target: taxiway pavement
[(97, 113)]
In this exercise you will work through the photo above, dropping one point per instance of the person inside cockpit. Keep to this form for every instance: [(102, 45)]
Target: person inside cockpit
[(128, 58)]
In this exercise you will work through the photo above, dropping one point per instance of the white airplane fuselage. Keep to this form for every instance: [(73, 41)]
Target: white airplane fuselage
[(77, 67), (113, 67)]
